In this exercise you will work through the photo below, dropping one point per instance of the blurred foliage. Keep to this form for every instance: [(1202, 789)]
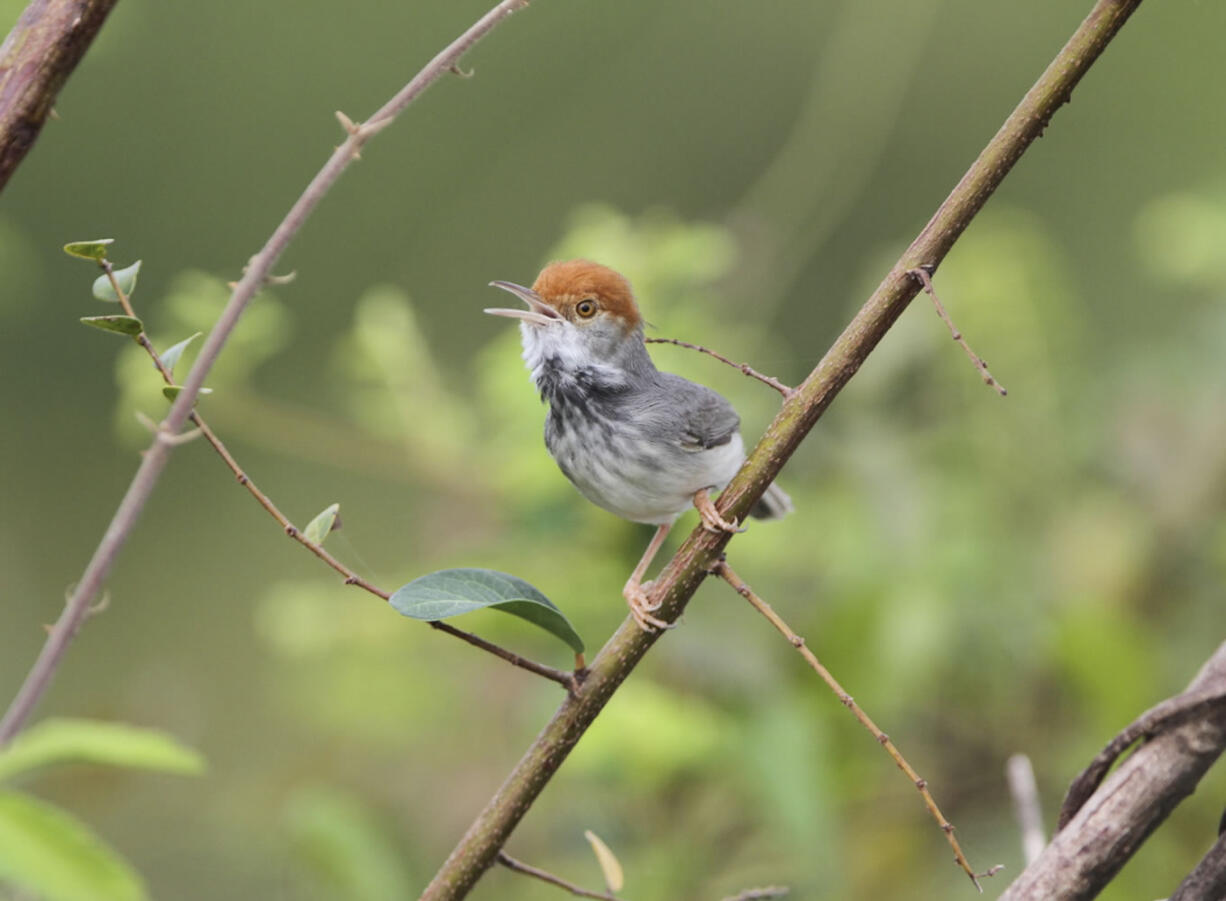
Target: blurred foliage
[(985, 576)]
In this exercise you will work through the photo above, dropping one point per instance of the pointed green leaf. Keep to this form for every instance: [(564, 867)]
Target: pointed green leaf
[(172, 391), (89, 250), (103, 290), (57, 857), (64, 740), (322, 525), (610, 866), (171, 355), (451, 592), (124, 325)]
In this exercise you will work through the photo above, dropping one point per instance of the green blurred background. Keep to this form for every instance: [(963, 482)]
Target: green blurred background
[(986, 576)]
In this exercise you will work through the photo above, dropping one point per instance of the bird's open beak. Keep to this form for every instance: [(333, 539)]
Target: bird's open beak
[(538, 312)]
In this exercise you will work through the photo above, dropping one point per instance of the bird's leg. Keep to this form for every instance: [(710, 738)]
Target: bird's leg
[(635, 591), (711, 520)]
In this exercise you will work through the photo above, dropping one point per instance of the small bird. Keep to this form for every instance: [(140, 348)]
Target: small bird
[(640, 443)]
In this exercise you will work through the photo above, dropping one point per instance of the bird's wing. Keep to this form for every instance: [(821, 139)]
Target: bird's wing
[(703, 418)]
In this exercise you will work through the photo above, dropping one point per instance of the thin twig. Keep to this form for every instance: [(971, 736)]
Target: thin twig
[(743, 367), (1019, 774), (760, 894), (545, 876), (725, 572), (925, 279), (154, 459), (1160, 718), (565, 679)]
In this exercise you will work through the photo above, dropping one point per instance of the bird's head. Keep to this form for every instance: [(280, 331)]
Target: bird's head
[(579, 313)]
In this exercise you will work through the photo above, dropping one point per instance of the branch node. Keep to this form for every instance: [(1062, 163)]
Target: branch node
[(346, 123)]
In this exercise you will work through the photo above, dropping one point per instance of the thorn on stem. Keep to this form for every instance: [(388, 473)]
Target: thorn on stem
[(456, 70)]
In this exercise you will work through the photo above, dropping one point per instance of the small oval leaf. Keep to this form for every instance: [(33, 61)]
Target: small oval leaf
[(124, 325), (88, 250), (322, 525), (451, 592), (64, 740), (609, 864), (126, 279), (172, 391), (57, 857), (171, 355)]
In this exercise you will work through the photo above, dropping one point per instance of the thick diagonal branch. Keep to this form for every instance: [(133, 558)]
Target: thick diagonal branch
[(478, 849), (36, 59)]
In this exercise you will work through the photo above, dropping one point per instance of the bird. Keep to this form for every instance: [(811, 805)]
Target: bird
[(643, 444)]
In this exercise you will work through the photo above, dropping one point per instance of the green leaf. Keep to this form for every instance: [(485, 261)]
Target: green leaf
[(451, 592), (322, 525), (103, 290), (57, 857), (614, 879), (124, 325), (88, 250), (92, 741), (171, 355), (172, 391)]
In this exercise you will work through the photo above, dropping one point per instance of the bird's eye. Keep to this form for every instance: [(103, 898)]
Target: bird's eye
[(586, 308)]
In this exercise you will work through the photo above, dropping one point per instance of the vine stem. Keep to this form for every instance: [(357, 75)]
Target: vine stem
[(477, 850), (258, 270)]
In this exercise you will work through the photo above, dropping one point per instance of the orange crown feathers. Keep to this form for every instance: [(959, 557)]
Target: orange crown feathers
[(566, 283)]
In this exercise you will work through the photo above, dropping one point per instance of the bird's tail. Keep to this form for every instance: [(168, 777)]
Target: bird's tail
[(773, 504)]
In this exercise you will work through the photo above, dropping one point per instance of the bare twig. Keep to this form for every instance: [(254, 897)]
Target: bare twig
[(520, 867), (922, 273), (743, 367), (725, 572), (565, 679), (760, 894), (675, 586), (260, 267), (1020, 776), (1160, 718)]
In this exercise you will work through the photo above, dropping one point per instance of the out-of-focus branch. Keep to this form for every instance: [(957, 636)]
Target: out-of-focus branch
[(258, 270), (35, 60), (477, 851), (1208, 880), (1130, 804)]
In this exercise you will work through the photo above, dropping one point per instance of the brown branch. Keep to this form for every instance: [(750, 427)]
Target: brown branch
[(725, 572), (36, 59), (1133, 800), (743, 367), (674, 587), (519, 866), (1159, 719), (258, 270), (921, 273)]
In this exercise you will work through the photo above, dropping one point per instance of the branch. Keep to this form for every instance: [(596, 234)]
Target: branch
[(743, 367), (1108, 829), (725, 572), (158, 453), (519, 866), (921, 273), (1158, 719), (674, 587), (35, 60), (1020, 775)]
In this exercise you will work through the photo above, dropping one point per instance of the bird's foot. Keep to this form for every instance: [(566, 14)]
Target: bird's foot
[(711, 520), (641, 605)]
